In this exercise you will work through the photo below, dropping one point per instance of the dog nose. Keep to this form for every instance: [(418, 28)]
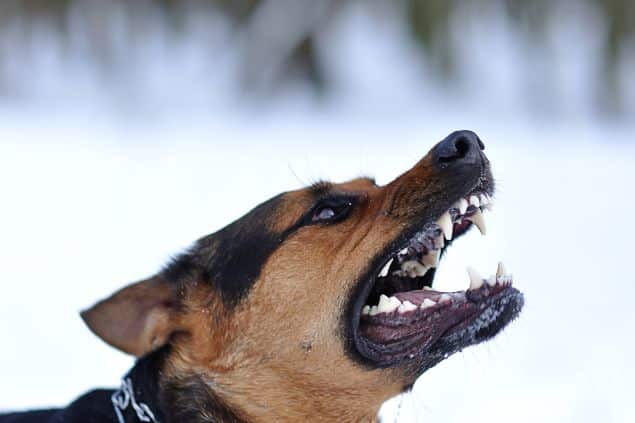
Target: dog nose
[(459, 148)]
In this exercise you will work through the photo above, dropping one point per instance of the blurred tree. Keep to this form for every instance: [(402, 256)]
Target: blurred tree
[(282, 36)]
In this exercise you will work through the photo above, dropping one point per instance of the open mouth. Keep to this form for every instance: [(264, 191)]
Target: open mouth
[(401, 316)]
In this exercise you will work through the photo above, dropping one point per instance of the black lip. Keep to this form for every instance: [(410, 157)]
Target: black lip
[(357, 345), (508, 303)]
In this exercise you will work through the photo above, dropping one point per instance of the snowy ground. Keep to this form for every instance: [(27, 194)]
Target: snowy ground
[(88, 205)]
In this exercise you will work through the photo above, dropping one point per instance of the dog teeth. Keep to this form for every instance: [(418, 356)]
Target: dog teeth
[(445, 222), (383, 302), (462, 205), (500, 270), (373, 310), (476, 280), (504, 280), (474, 201), (491, 281), (366, 310), (427, 303), (502, 277), (385, 269), (477, 219), (387, 305), (413, 268), (406, 306), (484, 199)]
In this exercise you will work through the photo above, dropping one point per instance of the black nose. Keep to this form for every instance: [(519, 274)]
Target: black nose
[(459, 148)]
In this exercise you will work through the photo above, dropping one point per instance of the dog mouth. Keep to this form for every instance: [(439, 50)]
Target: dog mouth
[(402, 316)]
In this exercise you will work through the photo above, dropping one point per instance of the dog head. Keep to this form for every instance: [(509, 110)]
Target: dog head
[(320, 301)]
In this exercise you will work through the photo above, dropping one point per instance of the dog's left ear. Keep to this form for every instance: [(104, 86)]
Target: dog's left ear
[(137, 319)]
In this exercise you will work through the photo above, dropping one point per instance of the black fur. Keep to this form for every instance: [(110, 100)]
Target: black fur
[(240, 250), (180, 401), (231, 259), (191, 398), (320, 188)]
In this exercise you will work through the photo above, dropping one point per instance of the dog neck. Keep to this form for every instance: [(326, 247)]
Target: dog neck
[(263, 394), (137, 399), (245, 394), (147, 395)]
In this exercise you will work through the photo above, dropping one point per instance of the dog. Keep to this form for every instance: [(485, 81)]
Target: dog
[(317, 305)]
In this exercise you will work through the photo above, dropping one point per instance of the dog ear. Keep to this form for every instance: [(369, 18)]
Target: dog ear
[(137, 319)]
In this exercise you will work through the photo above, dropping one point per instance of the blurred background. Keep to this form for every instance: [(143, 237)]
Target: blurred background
[(130, 128)]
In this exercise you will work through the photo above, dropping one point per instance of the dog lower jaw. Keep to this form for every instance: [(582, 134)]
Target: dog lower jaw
[(410, 320), (422, 338)]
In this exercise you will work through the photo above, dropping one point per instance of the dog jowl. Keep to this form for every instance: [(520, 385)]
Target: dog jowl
[(319, 304)]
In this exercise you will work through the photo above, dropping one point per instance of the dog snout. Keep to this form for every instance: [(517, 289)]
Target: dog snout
[(458, 149)]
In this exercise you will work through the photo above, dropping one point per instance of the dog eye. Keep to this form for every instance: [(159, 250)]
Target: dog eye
[(331, 211), (324, 214)]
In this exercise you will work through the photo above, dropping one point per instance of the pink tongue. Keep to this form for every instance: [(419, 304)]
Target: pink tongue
[(417, 297)]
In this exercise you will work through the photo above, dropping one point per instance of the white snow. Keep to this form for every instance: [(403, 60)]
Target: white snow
[(87, 208)]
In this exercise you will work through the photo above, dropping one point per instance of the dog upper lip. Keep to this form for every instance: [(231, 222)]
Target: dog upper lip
[(422, 304)]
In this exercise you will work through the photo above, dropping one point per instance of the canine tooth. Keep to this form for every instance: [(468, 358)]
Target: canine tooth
[(384, 270), (500, 270), (403, 252), (475, 201), (431, 259), (477, 219), (366, 309), (427, 303), (484, 199), (414, 268), (462, 205), (476, 280), (445, 222), (406, 306)]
